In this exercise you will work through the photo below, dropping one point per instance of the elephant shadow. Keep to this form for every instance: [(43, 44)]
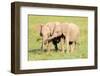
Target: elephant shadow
[(39, 51)]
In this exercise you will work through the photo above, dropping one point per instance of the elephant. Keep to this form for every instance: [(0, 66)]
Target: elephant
[(46, 30), (65, 33), (69, 33)]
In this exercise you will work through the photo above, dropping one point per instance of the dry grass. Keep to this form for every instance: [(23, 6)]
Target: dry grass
[(34, 52)]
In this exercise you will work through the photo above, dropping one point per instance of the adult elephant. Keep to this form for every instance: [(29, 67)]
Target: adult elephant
[(69, 33)]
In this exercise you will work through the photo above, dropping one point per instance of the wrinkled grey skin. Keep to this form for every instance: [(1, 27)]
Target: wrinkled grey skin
[(65, 33), (70, 35)]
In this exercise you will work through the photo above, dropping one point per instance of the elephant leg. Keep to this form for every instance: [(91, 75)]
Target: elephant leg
[(62, 45), (48, 47), (55, 44), (42, 46), (72, 47), (56, 47), (67, 44), (76, 45), (69, 47)]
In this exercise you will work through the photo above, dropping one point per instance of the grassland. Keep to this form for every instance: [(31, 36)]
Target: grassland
[(34, 52)]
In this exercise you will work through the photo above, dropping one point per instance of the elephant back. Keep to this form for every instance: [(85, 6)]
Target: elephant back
[(70, 30)]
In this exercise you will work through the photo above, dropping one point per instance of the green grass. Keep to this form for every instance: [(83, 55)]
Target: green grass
[(34, 52)]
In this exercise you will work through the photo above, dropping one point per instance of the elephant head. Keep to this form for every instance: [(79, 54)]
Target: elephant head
[(48, 29), (44, 33)]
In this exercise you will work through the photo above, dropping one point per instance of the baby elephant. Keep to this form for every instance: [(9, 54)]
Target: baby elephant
[(46, 31)]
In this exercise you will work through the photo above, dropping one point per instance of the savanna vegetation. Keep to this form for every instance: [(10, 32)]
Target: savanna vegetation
[(34, 45)]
